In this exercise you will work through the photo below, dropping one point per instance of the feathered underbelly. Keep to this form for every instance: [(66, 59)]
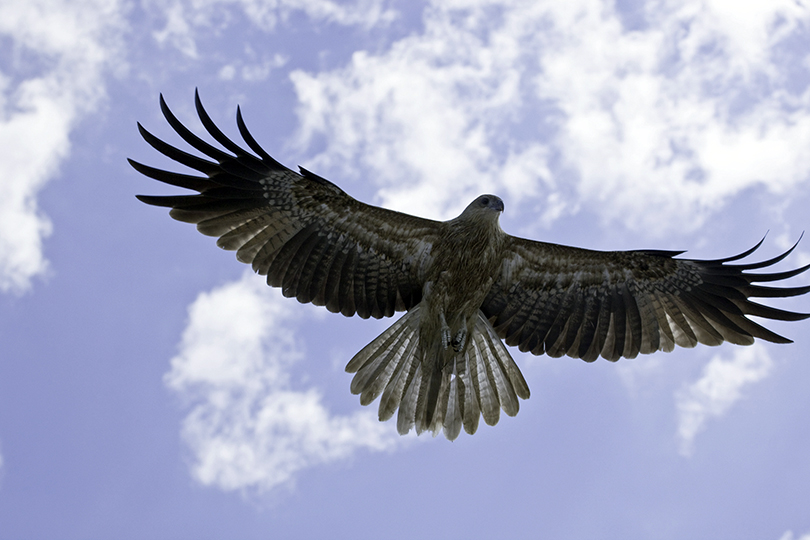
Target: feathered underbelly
[(451, 304)]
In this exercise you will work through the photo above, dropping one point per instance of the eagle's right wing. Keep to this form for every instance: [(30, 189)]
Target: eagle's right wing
[(308, 236)]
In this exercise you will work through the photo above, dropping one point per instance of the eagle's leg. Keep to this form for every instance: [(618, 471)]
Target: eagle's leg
[(446, 340), (460, 339)]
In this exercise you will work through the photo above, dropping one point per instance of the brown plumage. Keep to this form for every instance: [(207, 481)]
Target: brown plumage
[(464, 283)]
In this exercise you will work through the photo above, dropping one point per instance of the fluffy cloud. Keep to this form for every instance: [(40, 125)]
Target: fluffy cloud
[(185, 17), (67, 49), (718, 389), (790, 536), (428, 118), (561, 103), (682, 114), (247, 427), (68, 46)]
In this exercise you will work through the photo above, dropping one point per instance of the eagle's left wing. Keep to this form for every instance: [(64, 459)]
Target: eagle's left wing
[(583, 303)]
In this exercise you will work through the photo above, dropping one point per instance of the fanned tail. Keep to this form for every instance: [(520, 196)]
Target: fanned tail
[(438, 392)]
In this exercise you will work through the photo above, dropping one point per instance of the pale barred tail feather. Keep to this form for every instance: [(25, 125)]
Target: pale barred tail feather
[(478, 382)]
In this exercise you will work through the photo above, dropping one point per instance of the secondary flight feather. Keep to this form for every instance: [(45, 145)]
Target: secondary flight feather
[(466, 286)]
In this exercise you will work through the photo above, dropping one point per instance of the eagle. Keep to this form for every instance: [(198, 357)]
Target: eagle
[(465, 285)]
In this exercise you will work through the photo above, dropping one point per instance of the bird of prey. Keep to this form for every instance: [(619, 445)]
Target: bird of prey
[(466, 286)]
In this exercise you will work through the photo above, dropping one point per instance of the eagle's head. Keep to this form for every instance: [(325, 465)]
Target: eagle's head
[(489, 202), (484, 206), (483, 211)]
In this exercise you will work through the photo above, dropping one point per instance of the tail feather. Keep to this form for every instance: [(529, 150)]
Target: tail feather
[(372, 377), (483, 387), (435, 391), (392, 395), (377, 385), (433, 394), (504, 393), (381, 344), (468, 398), (406, 418), (453, 405), (504, 359)]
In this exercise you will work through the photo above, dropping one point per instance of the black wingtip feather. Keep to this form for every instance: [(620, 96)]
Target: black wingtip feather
[(174, 179), (189, 137), (776, 276), (158, 200), (189, 160), (761, 291), (252, 143), (742, 255), (768, 312), (213, 130), (769, 262)]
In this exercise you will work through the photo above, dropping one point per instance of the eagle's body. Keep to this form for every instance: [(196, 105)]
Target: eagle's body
[(466, 285), (469, 252), (451, 335)]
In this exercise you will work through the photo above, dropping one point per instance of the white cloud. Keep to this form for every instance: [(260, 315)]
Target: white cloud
[(74, 42), (679, 115), (719, 388), (247, 428), (185, 17), (789, 536), (425, 118), (682, 115), (258, 71)]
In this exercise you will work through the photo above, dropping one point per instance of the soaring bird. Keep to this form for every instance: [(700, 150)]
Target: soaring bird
[(466, 286)]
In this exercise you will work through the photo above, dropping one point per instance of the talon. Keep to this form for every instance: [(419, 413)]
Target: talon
[(445, 332), (446, 341), (460, 340)]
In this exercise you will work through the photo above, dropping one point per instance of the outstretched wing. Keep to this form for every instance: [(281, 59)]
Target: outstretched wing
[(309, 237), (561, 300)]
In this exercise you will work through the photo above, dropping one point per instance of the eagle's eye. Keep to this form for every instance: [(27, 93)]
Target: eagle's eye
[(485, 201)]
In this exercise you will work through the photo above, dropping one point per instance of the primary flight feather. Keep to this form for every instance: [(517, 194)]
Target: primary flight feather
[(466, 285)]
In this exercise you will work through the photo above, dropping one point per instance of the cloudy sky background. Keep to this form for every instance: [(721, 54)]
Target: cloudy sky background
[(151, 386)]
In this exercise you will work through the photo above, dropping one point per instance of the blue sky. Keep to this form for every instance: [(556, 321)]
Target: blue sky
[(152, 387)]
